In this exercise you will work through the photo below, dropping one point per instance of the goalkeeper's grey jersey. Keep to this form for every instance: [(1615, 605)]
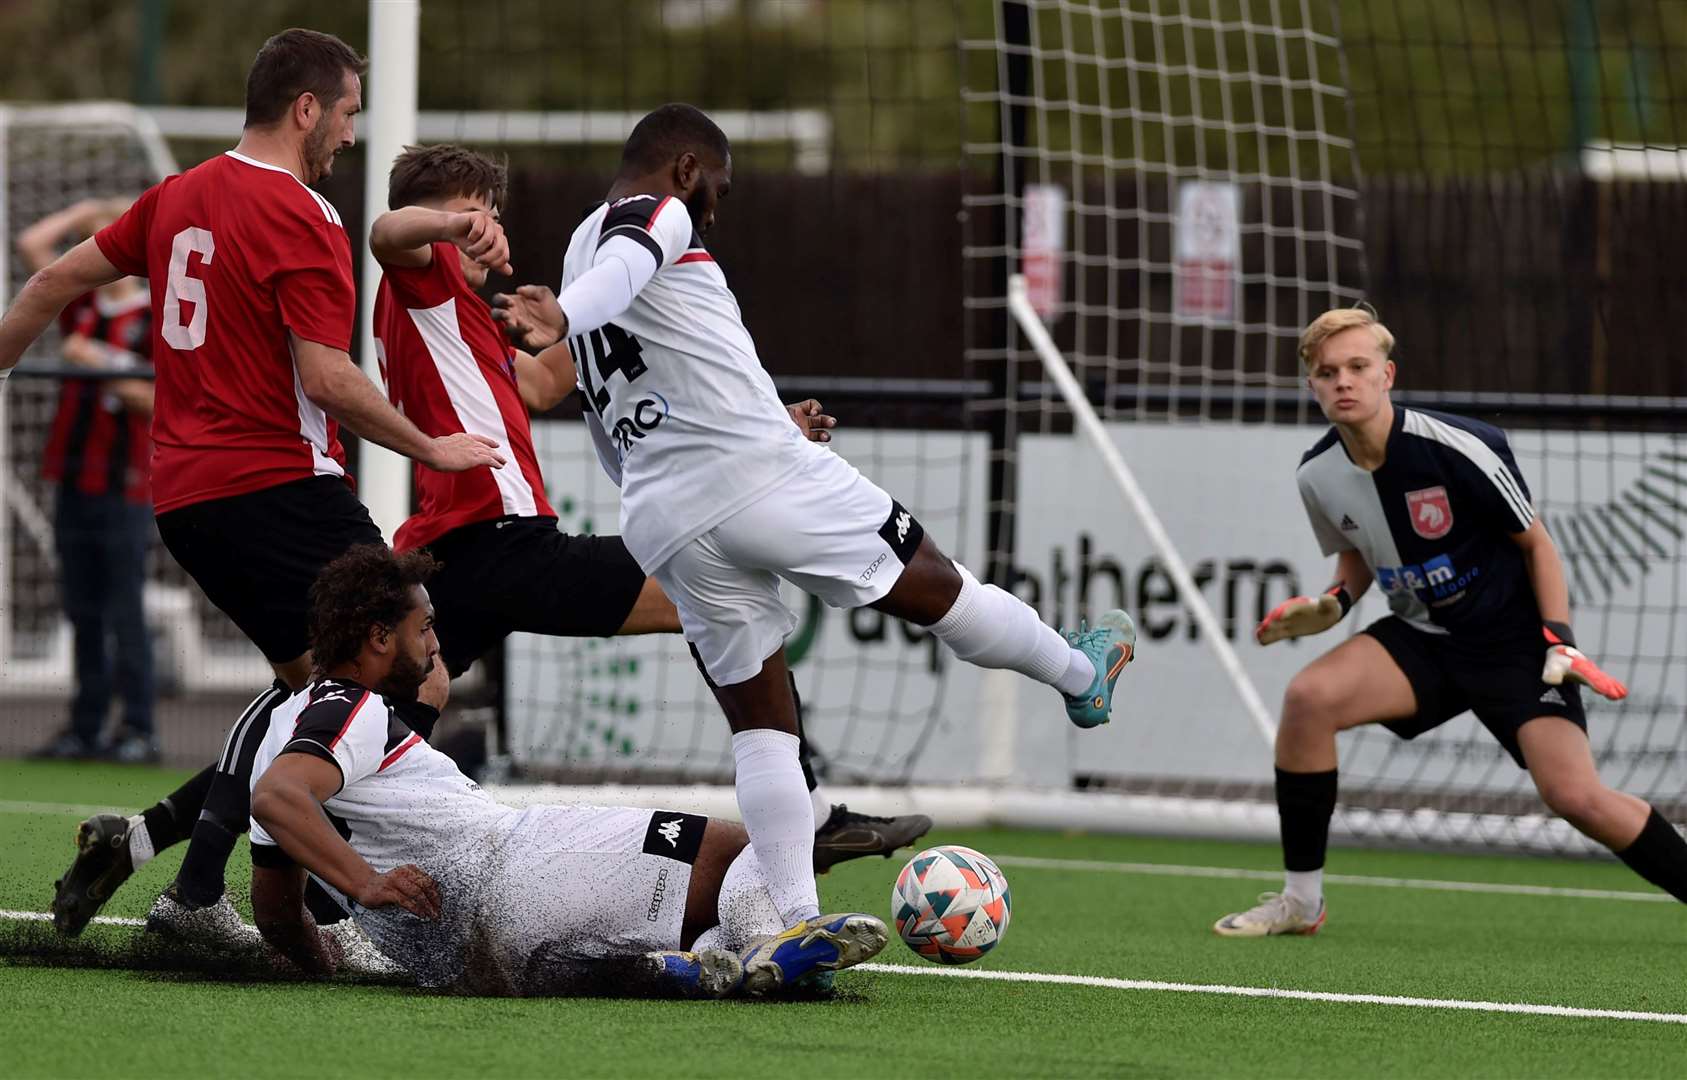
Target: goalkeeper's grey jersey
[(688, 421), (1434, 522)]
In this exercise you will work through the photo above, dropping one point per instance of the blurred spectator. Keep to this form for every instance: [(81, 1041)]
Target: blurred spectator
[(98, 455)]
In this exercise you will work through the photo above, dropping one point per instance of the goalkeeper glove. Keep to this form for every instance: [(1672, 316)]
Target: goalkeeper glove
[(1304, 615), (1565, 661)]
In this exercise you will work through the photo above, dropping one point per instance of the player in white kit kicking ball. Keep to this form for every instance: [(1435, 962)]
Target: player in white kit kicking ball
[(721, 496)]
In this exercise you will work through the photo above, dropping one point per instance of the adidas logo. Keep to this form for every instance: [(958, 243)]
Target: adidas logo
[(903, 520), (669, 830), (1348, 524), (1552, 696)]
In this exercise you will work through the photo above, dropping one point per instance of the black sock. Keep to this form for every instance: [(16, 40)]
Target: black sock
[(199, 882), (1305, 802), (170, 819), (805, 753), (228, 805), (1659, 855)]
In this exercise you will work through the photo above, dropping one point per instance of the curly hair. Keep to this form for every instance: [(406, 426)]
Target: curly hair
[(368, 586)]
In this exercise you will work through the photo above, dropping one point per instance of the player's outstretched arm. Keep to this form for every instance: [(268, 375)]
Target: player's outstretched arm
[(330, 379), (1552, 595), (278, 907), (1303, 615), (532, 316), (81, 269), (546, 378), (287, 802), (405, 237)]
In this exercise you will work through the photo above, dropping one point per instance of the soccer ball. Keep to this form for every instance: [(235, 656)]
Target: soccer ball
[(951, 904)]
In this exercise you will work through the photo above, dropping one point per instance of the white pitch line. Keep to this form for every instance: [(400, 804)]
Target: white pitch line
[(1032, 862), (1274, 992), (1105, 983), (24, 806), (47, 916)]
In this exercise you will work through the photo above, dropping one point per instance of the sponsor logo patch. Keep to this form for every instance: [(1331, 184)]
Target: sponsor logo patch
[(902, 532), (675, 836)]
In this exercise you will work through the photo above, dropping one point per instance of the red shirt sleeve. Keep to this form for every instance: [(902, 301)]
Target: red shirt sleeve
[(313, 285), (123, 242), (430, 285)]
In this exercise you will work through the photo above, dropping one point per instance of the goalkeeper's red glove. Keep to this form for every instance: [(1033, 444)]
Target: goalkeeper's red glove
[(1565, 661), (1304, 615)]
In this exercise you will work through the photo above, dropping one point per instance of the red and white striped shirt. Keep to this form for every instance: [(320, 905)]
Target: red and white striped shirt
[(449, 369), (237, 253)]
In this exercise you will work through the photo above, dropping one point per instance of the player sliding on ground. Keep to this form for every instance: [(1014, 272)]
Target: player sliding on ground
[(468, 894), (1434, 509), (721, 496)]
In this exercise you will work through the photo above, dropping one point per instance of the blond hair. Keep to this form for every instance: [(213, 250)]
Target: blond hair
[(1334, 322)]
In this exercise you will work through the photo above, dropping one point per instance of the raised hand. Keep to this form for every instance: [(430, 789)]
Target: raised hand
[(462, 451), (478, 235), (1301, 615), (407, 886), (812, 421), (531, 316), (1565, 661)]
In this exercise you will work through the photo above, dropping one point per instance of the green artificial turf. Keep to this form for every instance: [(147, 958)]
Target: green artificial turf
[(62, 1019)]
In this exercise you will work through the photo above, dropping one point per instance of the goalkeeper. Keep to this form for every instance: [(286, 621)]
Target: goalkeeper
[(1432, 508)]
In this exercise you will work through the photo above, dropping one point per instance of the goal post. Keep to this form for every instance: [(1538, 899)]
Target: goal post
[(1031, 324), (394, 51)]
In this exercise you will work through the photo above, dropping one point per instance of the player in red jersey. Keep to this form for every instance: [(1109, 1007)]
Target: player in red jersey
[(253, 308), (505, 566)]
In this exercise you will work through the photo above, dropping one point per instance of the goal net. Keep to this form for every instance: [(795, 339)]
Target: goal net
[(52, 156), (1182, 186)]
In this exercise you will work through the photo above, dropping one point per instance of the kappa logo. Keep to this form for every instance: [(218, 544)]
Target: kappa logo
[(1430, 511), (1552, 696), (1348, 524), (903, 520), (669, 831)]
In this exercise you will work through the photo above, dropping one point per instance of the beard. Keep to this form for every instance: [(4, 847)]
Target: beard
[(697, 204), (405, 677), (319, 154)]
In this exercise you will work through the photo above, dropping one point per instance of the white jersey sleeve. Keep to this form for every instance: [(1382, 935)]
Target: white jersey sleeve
[(1331, 540), (641, 234), (346, 725)]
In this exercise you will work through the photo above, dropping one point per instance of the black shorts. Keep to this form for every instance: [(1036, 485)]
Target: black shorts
[(1499, 680), (522, 574), (256, 555)]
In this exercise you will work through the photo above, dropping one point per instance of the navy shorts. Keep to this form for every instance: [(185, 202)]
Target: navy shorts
[(1499, 680), (514, 575), (256, 555)]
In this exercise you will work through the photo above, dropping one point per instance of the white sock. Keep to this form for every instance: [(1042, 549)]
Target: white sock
[(1306, 886), (773, 801), (1080, 674), (821, 805), (140, 843), (712, 938), (745, 909), (993, 628)]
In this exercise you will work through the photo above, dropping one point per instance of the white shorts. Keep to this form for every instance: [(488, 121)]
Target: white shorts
[(826, 529), (563, 886)]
